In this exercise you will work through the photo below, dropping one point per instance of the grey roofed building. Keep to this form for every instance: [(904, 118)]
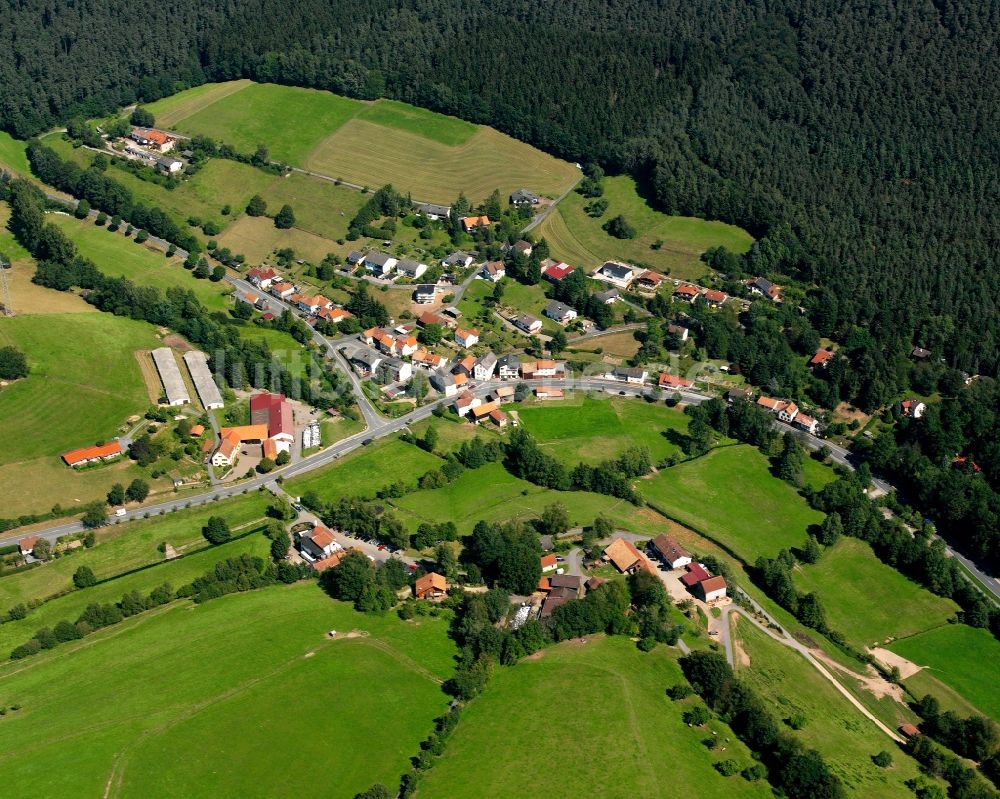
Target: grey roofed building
[(355, 257), (167, 164), (458, 258), (571, 581), (378, 258), (204, 384), (524, 197), (442, 380), (509, 362), (435, 211), (408, 266), (629, 373), (485, 366), (527, 323), (559, 311), (424, 292), (762, 285), (608, 297), (170, 375), (367, 360), (615, 271)]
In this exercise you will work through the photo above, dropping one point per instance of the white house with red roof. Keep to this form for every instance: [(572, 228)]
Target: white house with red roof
[(275, 411), (466, 338)]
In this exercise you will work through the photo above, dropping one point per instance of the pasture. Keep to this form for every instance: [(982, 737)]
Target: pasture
[(122, 548), (868, 601), (845, 738), (447, 130), (730, 496), (257, 237), (579, 239), (12, 154), (176, 572), (593, 429), (584, 719), (366, 470), (186, 679), (320, 206), (117, 256), (963, 658)]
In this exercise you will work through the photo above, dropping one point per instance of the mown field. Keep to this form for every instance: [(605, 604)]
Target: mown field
[(584, 720), (592, 429), (84, 381), (730, 496), (118, 256), (320, 206), (12, 154), (126, 547), (867, 601), (189, 701), (965, 659), (845, 738), (579, 239), (257, 238)]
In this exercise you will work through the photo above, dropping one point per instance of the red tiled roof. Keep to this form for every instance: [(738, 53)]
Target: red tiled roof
[(821, 357), (89, 453), (557, 271), (548, 561), (696, 573)]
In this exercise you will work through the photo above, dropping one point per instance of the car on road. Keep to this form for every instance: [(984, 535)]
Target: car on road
[(297, 507), (714, 633), (367, 441)]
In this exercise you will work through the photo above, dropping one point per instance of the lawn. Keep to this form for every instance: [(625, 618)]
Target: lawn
[(450, 131), (125, 547), (366, 470), (583, 720), (845, 738), (13, 155), (963, 658), (84, 381), (257, 237), (730, 496), (178, 686), (366, 153), (592, 429), (289, 121), (170, 110), (579, 239), (118, 256), (867, 601)]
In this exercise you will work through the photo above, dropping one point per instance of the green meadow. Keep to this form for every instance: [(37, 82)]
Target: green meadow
[(450, 131), (730, 496), (845, 738), (241, 696), (965, 659), (868, 601), (12, 154), (585, 719), (579, 239), (117, 256)]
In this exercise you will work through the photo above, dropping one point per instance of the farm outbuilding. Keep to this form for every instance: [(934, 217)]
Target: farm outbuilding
[(208, 391), (170, 375)]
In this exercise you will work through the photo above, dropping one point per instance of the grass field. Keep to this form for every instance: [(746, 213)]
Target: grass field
[(320, 206), (124, 547), (450, 131), (868, 601), (118, 256), (963, 658), (845, 737), (580, 240), (730, 496), (242, 696), (170, 110), (12, 154), (366, 471), (257, 238), (580, 720), (591, 430)]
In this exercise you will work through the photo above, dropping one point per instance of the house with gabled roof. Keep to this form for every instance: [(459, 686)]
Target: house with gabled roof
[(466, 338), (821, 358), (473, 223), (556, 271), (262, 276), (524, 197), (444, 383), (560, 312), (318, 543), (379, 264), (433, 211), (633, 375), (763, 287), (459, 258), (626, 558), (410, 268), (493, 271), (485, 366), (466, 402), (522, 247), (617, 274), (527, 324), (913, 408), (672, 381), (649, 281), (686, 292), (430, 586), (509, 367), (714, 297), (670, 552)]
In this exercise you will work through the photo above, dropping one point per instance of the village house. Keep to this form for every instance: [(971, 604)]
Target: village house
[(249, 298), (444, 383), (312, 305), (274, 411), (430, 360), (533, 370), (503, 394), (672, 381), (913, 408), (711, 590), (920, 354), (262, 276), (522, 247), (555, 271), (821, 358), (560, 312), (685, 292), (27, 545), (485, 367), (333, 315), (465, 366), (549, 563), (466, 402), (459, 258), (493, 271), (282, 290), (379, 264), (154, 139), (366, 363), (430, 318), (409, 268), (489, 411), (407, 346), (473, 223), (680, 331), (317, 543), (527, 324), (546, 393), (96, 454), (466, 338), (355, 257), (168, 165), (509, 367), (609, 297), (763, 287), (385, 342), (523, 197), (807, 423), (714, 297), (393, 370), (626, 558), (649, 281), (430, 586), (785, 411), (670, 552), (424, 293), (434, 212), (617, 274), (633, 375), (330, 562)]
